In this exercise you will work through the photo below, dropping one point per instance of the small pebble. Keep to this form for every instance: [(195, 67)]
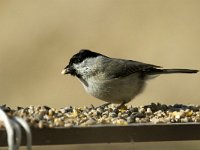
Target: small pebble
[(41, 124), (184, 120), (112, 114), (68, 125), (141, 110), (90, 122), (130, 120), (149, 111)]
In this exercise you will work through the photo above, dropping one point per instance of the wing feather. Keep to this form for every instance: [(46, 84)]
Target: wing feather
[(121, 68)]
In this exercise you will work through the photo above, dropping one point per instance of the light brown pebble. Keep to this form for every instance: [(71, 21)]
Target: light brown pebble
[(68, 125), (184, 120), (137, 120), (51, 125), (189, 113), (149, 111), (58, 122), (154, 120), (89, 122), (41, 124), (74, 114), (121, 122), (51, 112), (141, 110)]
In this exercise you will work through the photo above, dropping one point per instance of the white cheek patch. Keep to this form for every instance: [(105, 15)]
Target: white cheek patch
[(82, 69), (86, 67)]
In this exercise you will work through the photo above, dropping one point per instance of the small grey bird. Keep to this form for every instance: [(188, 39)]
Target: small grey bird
[(111, 79)]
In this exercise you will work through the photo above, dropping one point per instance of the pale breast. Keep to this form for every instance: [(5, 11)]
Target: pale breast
[(115, 90)]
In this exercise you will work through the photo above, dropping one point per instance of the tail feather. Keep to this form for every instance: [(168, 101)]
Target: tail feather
[(156, 71), (166, 71)]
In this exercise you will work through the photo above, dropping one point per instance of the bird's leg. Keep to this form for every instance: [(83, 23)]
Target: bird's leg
[(104, 105), (121, 105)]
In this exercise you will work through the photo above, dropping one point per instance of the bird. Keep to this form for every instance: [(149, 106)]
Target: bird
[(113, 80)]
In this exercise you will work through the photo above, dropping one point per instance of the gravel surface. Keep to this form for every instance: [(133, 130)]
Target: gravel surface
[(46, 117)]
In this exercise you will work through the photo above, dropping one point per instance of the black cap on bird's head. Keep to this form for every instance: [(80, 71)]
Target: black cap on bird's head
[(78, 58)]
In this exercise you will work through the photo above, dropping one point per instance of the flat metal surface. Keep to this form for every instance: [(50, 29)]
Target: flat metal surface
[(111, 134)]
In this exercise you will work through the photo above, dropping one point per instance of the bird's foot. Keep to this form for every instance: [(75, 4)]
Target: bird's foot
[(120, 107)]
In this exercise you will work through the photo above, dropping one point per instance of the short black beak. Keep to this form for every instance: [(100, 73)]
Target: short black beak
[(66, 70)]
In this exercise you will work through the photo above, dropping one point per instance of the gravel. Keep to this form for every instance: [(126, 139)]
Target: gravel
[(46, 117)]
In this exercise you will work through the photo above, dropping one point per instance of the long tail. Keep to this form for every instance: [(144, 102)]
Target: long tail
[(166, 71), (156, 71)]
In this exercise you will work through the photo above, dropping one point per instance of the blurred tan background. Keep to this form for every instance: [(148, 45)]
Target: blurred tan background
[(37, 39)]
